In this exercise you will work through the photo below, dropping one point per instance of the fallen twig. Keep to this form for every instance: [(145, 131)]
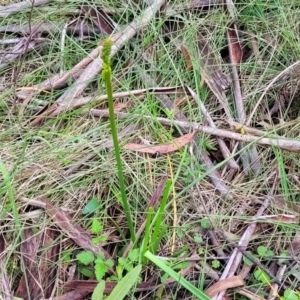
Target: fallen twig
[(7, 10)]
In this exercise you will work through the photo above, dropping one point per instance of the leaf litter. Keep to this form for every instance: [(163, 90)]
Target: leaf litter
[(225, 189)]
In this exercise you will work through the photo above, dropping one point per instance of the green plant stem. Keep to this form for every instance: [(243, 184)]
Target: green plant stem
[(106, 74), (158, 221), (147, 234)]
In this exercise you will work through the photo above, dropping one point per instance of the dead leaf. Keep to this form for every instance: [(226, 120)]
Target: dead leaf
[(283, 218), (39, 265), (294, 248), (99, 18), (119, 106), (158, 193), (235, 49), (74, 232), (224, 284), (187, 57), (172, 146)]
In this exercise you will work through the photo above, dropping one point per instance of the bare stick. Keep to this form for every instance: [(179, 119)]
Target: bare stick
[(7, 10)]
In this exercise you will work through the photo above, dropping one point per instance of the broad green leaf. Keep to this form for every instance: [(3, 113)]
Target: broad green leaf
[(98, 291), (85, 257), (126, 283), (91, 206), (198, 293)]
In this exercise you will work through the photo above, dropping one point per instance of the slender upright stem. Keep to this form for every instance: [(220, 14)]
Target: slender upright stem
[(106, 74)]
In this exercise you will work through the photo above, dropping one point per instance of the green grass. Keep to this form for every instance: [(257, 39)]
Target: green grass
[(33, 160)]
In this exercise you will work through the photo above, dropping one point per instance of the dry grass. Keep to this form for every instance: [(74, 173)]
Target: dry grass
[(37, 157)]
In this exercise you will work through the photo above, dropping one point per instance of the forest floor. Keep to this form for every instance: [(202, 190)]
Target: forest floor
[(207, 107)]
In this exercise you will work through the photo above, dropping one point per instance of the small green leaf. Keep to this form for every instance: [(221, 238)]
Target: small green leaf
[(198, 238), (91, 206), (112, 278), (97, 240), (85, 257), (181, 265), (248, 261), (264, 251), (100, 258), (86, 272), (97, 227), (261, 276), (100, 271), (283, 253), (290, 295), (215, 264), (119, 270), (66, 256), (109, 263), (126, 283), (122, 261), (201, 250), (134, 254), (99, 291), (205, 223)]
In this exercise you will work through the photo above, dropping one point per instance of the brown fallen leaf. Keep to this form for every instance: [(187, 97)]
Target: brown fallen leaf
[(119, 106), (99, 18), (172, 146), (64, 222), (39, 270), (224, 284), (294, 247), (187, 57)]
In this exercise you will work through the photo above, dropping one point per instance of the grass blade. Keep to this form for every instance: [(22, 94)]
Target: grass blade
[(124, 286), (158, 262), (99, 291), (159, 217)]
